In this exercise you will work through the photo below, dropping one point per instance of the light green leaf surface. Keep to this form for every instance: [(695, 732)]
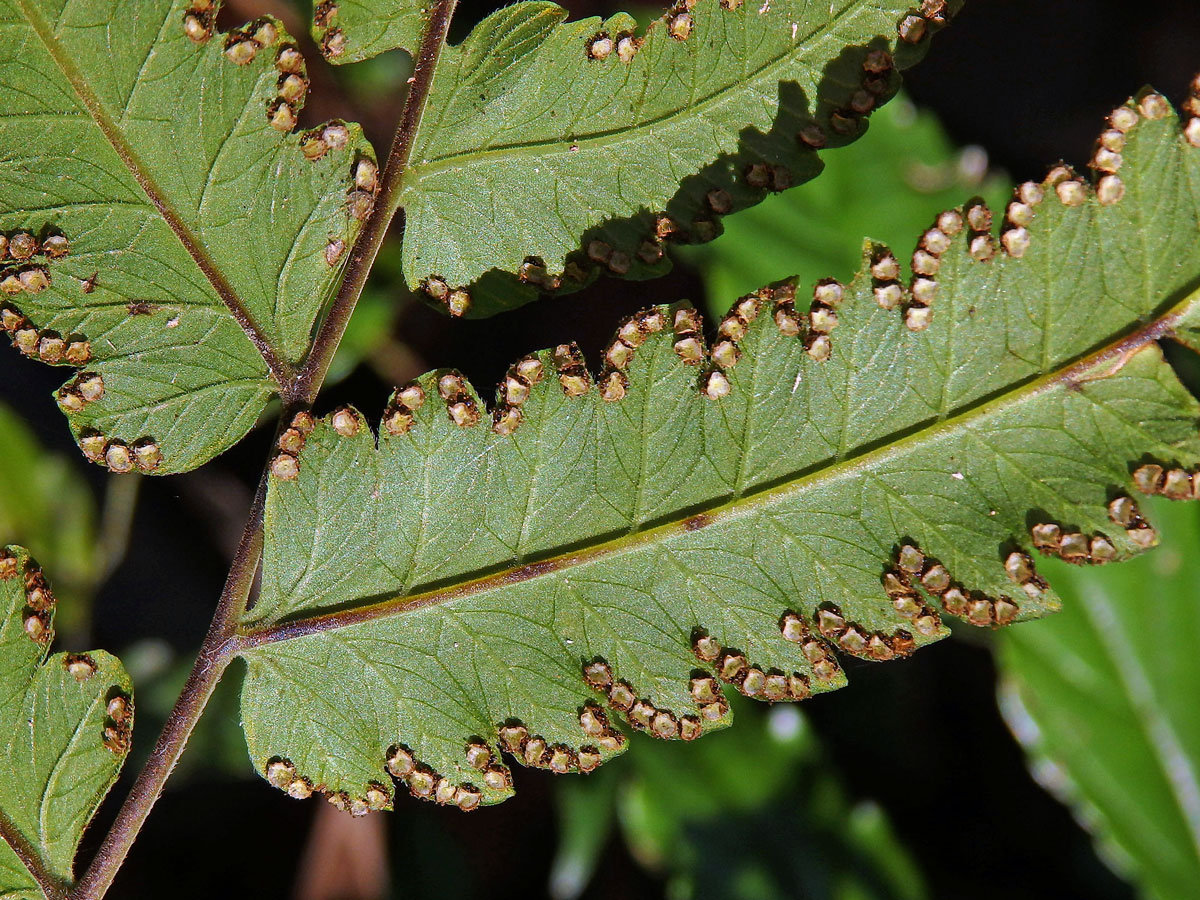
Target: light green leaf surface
[(353, 30), (889, 184), (191, 223), (541, 143), (1104, 699), (64, 733), (455, 580)]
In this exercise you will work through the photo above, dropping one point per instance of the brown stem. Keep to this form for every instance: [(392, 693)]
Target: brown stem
[(51, 886), (366, 247), (220, 643), (215, 654)]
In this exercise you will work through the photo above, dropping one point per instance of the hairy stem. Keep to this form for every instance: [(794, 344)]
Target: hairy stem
[(215, 654), (362, 255)]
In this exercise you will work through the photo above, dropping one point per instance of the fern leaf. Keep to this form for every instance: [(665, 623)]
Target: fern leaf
[(65, 724), (353, 30), (553, 149), (827, 480), (165, 231)]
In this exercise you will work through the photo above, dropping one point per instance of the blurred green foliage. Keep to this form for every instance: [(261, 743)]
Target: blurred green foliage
[(47, 506), (1105, 696), (756, 812), (370, 328)]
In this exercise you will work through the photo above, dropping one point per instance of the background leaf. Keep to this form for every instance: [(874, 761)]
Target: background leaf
[(64, 731), (46, 506), (740, 517), (763, 793), (157, 210), (554, 149), (1104, 699)]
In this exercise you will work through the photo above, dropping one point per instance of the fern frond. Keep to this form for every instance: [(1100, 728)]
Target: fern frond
[(828, 478), (554, 150)]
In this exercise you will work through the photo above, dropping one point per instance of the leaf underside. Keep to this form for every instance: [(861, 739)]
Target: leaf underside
[(350, 31), (173, 213), (65, 724), (553, 150), (450, 589)]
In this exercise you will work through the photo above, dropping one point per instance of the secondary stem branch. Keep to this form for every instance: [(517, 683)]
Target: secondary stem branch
[(370, 239), (1099, 363)]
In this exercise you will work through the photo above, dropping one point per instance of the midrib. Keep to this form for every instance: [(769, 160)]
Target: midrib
[(747, 504), (116, 139)]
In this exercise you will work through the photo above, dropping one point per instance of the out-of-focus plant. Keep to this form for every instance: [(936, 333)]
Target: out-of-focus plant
[(47, 506), (757, 812), (1105, 696)]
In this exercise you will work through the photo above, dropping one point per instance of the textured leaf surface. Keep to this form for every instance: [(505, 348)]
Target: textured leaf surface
[(353, 30), (456, 580), (585, 146), (1104, 698), (64, 732), (171, 219)]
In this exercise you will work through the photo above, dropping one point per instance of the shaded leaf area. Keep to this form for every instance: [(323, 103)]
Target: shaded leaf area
[(65, 725), (1104, 699), (553, 150), (889, 184), (827, 479), (164, 231), (350, 31), (764, 793)]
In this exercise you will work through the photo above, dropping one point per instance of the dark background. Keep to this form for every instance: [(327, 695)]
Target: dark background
[(1030, 80)]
